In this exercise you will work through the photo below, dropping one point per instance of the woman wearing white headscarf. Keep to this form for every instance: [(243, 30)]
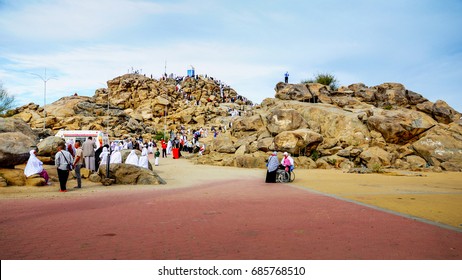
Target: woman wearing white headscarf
[(132, 158), (35, 166), (116, 156), (103, 156), (143, 161)]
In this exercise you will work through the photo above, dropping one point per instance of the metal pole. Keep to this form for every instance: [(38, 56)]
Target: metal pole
[(45, 80), (45, 100), (107, 127)]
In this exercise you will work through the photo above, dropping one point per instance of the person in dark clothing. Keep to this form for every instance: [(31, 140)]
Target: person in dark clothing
[(272, 167), (62, 159)]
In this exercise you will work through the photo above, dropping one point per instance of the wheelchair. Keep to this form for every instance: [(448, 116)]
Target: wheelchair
[(283, 176)]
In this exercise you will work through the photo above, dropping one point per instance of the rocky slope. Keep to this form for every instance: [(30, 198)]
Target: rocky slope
[(378, 127)]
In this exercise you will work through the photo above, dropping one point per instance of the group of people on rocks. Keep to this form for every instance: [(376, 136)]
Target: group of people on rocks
[(273, 164)]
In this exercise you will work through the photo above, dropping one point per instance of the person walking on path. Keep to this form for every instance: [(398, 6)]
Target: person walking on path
[(62, 160), (78, 161), (157, 155), (89, 153), (164, 148), (272, 167)]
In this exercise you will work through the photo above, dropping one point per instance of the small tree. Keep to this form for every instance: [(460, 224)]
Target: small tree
[(324, 79), (6, 100)]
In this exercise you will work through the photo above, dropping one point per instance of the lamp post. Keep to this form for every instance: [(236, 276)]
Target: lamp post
[(107, 124), (45, 80)]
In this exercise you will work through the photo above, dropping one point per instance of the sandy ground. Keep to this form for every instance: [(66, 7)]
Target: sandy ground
[(433, 197)]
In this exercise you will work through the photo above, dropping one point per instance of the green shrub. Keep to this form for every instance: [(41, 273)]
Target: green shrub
[(314, 155), (324, 79), (160, 135), (377, 168)]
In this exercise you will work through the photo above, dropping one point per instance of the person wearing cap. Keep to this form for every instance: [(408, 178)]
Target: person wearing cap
[(288, 162), (272, 167)]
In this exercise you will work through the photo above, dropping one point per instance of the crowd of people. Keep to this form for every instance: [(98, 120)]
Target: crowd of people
[(75, 155)]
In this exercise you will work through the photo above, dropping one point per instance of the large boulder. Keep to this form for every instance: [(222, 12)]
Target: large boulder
[(48, 146), (399, 126), (13, 177), (252, 123), (301, 141), (332, 122), (14, 148), (266, 144), (298, 92), (127, 174), (255, 160), (444, 113), (16, 124), (442, 146), (223, 144), (375, 157), (280, 120), (389, 94)]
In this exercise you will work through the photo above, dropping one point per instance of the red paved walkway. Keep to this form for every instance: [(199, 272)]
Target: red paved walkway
[(232, 220)]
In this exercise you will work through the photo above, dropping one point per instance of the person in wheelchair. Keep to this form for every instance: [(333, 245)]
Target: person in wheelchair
[(287, 163)]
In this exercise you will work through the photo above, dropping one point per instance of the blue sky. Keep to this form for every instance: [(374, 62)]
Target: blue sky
[(247, 44)]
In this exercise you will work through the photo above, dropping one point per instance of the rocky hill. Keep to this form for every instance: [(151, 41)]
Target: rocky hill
[(378, 127)]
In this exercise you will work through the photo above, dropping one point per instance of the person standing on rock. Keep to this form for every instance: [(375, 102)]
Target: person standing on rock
[(78, 162), (89, 153), (62, 159), (286, 77), (272, 167)]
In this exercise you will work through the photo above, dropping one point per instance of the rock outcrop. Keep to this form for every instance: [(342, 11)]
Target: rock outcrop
[(127, 174), (355, 126), (17, 139)]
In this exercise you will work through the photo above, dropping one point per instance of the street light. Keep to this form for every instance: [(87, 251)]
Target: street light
[(45, 80)]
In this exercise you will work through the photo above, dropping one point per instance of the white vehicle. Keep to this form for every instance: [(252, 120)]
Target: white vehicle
[(101, 138)]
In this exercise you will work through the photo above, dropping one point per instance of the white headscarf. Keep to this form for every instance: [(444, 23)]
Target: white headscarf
[(34, 165), (103, 156), (144, 162), (132, 158), (116, 156)]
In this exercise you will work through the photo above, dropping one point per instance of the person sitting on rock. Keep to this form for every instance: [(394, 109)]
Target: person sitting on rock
[(287, 162), (116, 156), (132, 158), (35, 166), (143, 161)]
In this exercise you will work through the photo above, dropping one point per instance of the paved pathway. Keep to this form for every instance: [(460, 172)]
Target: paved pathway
[(232, 219)]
